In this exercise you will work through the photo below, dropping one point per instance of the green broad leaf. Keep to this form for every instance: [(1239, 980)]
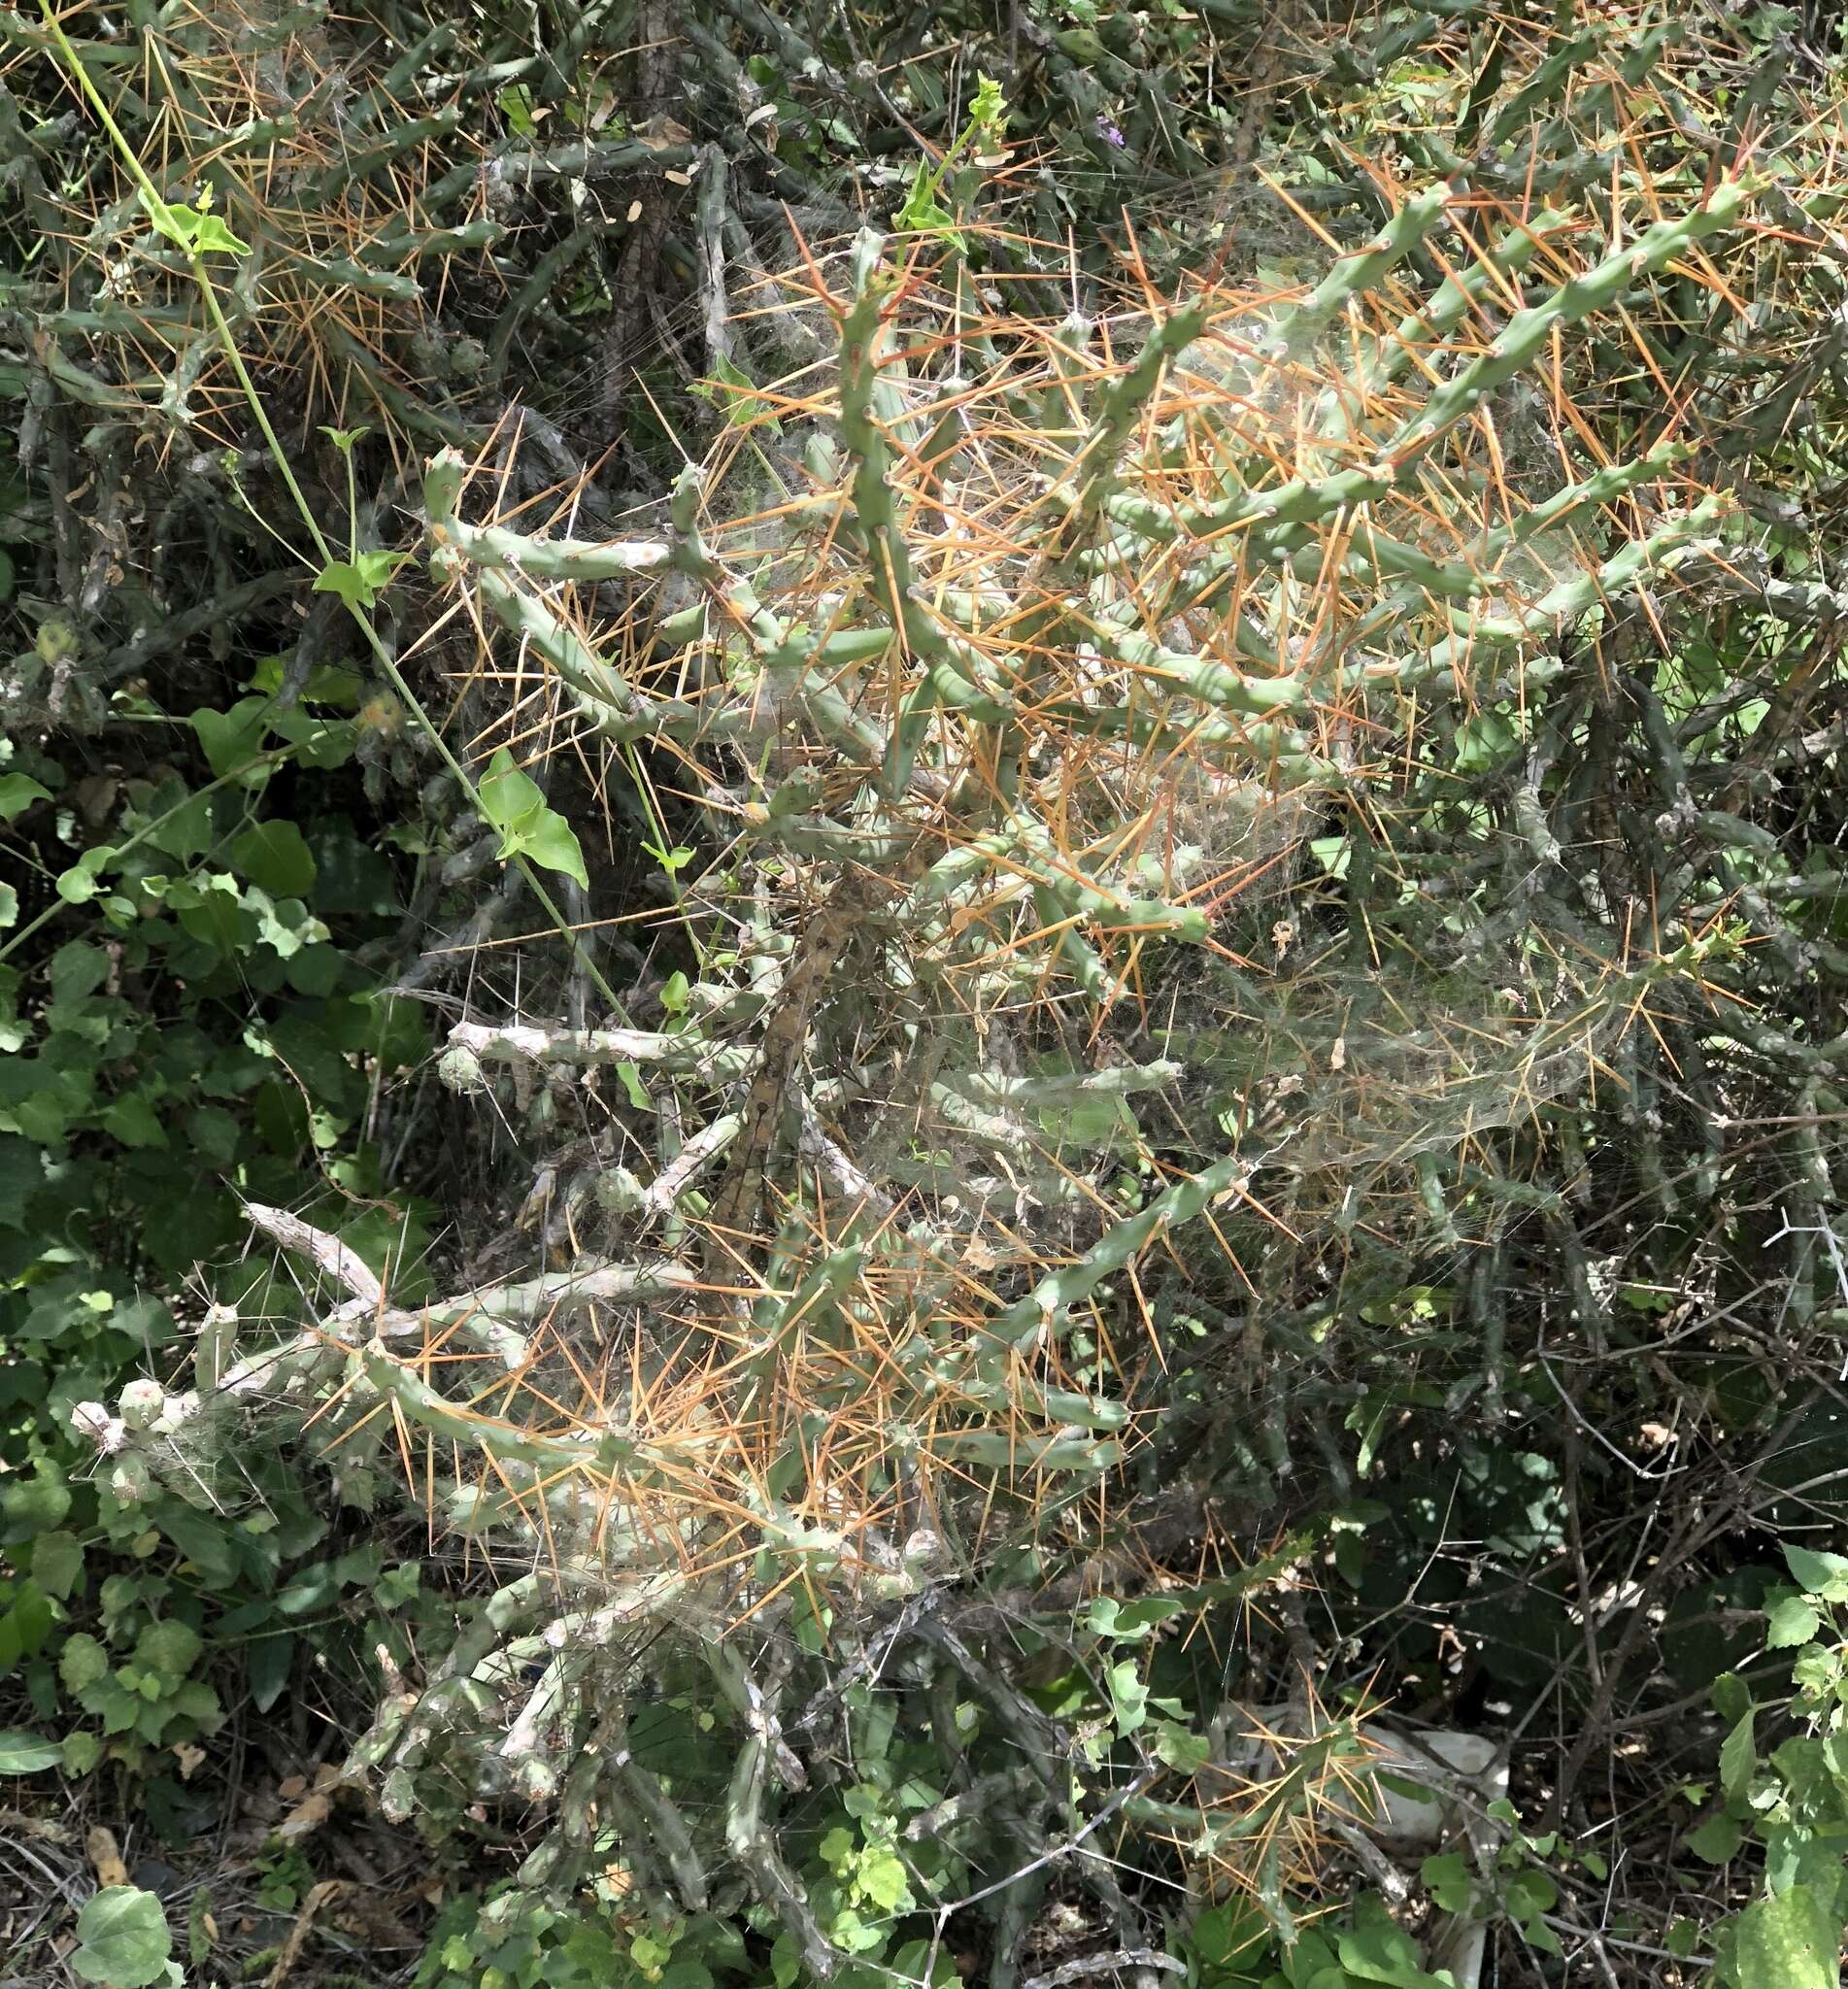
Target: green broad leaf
[(1790, 1941), (552, 842), (37, 1504), (1818, 1574), (509, 797), (674, 994), (631, 1076), (1180, 1748), (359, 581), (275, 855), (1794, 1620), (1738, 1756), (230, 740), (8, 907), (81, 1663), (123, 1941), (267, 1664), (883, 1878), (80, 1752), (18, 793), (193, 227), (1378, 1950), (165, 217), (25, 1754), (170, 1649), (922, 214), (77, 968), (77, 885), (989, 111), (517, 104), (737, 392), (511, 801), (851, 1933), (1529, 1894), (1730, 1697), (1447, 1879), (1128, 1695), (24, 1624), (132, 1119), (328, 683), (1716, 1841), (57, 1560), (673, 860), (211, 237)]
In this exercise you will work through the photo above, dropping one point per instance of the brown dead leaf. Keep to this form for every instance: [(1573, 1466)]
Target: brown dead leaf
[(307, 1816), (663, 133), (317, 1896), (189, 1758), (291, 1786), (106, 1856), (33, 1827)]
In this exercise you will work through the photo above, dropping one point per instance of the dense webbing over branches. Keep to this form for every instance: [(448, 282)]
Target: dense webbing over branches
[(1236, 844)]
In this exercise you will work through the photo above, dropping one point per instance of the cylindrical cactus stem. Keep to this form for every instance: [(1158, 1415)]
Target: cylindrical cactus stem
[(602, 1455), (1353, 276), (1045, 1307), (1456, 296), (1596, 289), (511, 1042), (1082, 490), (496, 548), (1305, 500), (1205, 677), (749, 1838), (1617, 576), (1470, 572), (953, 670), (668, 1832), (618, 710)]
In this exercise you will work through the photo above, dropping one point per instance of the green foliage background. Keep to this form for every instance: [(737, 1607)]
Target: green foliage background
[(1511, 1370)]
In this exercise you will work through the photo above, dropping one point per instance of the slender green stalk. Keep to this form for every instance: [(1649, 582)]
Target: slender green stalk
[(387, 663)]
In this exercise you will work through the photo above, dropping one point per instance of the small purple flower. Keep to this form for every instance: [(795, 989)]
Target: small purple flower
[(1109, 133)]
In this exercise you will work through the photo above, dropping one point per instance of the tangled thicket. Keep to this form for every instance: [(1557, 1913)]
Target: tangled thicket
[(1119, 799)]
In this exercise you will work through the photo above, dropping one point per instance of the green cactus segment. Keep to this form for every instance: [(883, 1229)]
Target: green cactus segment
[(1599, 489), (1044, 1308), (863, 334), (952, 671), (1468, 572), (603, 1456), (1087, 483), (1617, 576), (1598, 288), (1353, 276), (1212, 682), (1025, 850), (1460, 293), (496, 548), (1304, 500)]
